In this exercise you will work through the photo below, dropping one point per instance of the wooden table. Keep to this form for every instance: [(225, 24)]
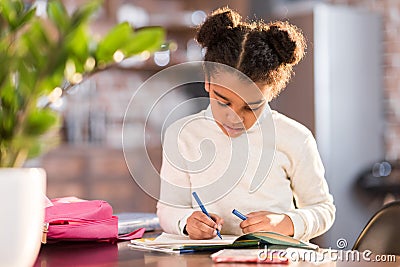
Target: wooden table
[(104, 254)]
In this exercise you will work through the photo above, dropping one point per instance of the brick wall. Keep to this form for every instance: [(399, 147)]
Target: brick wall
[(390, 12)]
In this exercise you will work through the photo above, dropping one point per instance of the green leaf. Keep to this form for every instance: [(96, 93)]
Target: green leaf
[(18, 6), (14, 13), (83, 13), (5, 61), (58, 15), (9, 11), (26, 17), (35, 149), (9, 106), (149, 39), (27, 80), (77, 43), (118, 37), (7, 125), (36, 46), (9, 97), (47, 84), (54, 71), (40, 121), (3, 26)]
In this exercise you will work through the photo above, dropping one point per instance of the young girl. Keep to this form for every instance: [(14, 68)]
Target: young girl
[(294, 198)]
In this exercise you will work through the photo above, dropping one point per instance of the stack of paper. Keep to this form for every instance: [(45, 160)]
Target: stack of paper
[(177, 244)]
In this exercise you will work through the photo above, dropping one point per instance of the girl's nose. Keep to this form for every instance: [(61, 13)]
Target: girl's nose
[(234, 117)]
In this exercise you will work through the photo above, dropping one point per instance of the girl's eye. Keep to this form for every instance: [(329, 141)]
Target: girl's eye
[(253, 109), (222, 104)]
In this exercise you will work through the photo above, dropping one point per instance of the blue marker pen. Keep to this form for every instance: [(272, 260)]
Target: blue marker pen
[(184, 251), (203, 209), (240, 215)]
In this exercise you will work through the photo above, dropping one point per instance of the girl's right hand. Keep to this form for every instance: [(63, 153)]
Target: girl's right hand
[(200, 226)]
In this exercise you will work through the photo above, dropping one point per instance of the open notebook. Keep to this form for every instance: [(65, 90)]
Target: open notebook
[(170, 243)]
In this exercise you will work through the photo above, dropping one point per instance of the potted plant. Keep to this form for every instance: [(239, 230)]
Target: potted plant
[(41, 58)]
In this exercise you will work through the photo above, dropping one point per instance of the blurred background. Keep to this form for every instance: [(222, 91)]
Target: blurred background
[(346, 90)]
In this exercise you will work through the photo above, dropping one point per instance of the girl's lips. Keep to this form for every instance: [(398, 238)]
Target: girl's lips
[(233, 131)]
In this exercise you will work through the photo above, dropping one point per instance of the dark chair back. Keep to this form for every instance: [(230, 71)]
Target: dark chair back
[(381, 235)]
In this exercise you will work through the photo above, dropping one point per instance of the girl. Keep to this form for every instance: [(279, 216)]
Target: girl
[(294, 198)]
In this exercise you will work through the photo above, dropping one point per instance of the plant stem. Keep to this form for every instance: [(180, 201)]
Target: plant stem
[(21, 157)]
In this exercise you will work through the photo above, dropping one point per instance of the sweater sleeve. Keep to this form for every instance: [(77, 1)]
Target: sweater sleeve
[(175, 203), (315, 210)]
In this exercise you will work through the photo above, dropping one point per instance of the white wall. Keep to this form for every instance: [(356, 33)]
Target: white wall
[(348, 106)]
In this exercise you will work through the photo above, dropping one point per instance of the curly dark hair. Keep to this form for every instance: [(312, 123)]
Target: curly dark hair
[(265, 52)]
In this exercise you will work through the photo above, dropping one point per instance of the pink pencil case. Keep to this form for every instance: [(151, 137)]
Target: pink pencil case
[(74, 219)]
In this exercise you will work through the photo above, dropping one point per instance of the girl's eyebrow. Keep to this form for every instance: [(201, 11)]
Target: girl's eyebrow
[(261, 101), (221, 96)]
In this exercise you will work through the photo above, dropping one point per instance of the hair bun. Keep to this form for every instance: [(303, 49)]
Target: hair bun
[(280, 37), (214, 29)]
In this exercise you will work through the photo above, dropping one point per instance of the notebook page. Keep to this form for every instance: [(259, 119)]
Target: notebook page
[(171, 239)]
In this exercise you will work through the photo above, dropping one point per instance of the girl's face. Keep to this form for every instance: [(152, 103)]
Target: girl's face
[(236, 108)]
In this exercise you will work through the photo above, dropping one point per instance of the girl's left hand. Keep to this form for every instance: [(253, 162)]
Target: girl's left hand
[(267, 221)]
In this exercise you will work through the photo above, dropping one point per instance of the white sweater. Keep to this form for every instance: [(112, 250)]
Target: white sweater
[(221, 172)]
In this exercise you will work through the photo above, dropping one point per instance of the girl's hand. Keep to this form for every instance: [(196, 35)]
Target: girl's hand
[(200, 226), (267, 221)]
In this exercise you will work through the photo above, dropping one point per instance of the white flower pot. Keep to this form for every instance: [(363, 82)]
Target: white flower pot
[(22, 204)]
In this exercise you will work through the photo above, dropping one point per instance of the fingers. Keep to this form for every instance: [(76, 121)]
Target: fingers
[(255, 223), (253, 218), (218, 220), (200, 226), (267, 221), (256, 213), (259, 226)]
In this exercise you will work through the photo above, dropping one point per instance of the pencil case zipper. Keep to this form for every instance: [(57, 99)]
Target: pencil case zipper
[(55, 228)]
